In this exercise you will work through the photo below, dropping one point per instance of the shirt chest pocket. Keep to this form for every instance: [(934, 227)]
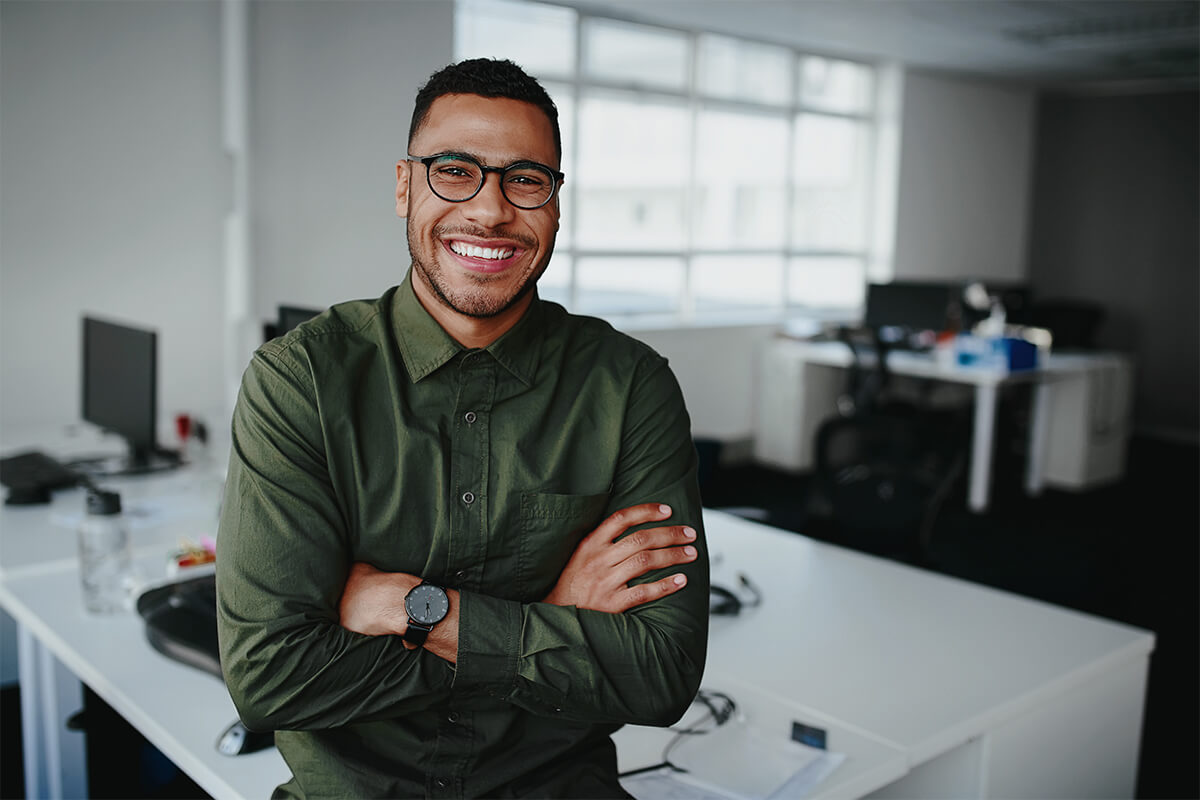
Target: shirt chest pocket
[(552, 525)]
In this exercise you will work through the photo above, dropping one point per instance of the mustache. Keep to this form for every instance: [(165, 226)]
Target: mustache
[(526, 241)]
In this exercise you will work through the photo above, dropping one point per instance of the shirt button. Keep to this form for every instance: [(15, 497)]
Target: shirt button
[(461, 575), (452, 717), (441, 783), (470, 417), (468, 497)]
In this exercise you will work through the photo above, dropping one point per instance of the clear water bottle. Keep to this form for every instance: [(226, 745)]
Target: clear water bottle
[(105, 556)]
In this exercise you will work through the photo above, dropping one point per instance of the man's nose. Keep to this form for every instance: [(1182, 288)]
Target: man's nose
[(489, 207)]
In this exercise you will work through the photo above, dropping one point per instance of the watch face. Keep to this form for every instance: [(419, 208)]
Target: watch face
[(427, 604)]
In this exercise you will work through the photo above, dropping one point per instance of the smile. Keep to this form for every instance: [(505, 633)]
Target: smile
[(473, 251)]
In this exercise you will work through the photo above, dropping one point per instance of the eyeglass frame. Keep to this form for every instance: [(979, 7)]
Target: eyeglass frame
[(483, 173)]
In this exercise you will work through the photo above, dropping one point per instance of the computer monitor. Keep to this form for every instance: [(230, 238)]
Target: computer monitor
[(291, 316), (288, 318), (906, 308), (120, 395)]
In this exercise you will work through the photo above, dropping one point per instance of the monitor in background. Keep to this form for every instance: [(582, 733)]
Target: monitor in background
[(120, 395), (291, 316), (288, 318), (904, 310)]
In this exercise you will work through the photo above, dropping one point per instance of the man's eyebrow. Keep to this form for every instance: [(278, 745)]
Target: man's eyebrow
[(484, 161)]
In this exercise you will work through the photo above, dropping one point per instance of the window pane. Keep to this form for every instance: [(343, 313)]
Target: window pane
[(739, 70), (621, 51), (555, 283), (836, 282), (629, 285), (506, 29), (633, 172), (829, 163), (740, 197), (835, 85), (737, 282)]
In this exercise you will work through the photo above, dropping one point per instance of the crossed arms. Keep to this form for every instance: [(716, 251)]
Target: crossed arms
[(597, 577), (614, 640)]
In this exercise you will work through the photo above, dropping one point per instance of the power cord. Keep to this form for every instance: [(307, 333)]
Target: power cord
[(720, 708), (724, 602)]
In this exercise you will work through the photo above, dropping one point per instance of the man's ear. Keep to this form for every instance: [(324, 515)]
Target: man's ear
[(402, 174)]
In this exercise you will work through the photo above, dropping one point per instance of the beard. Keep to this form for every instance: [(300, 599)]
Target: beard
[(477, 300)]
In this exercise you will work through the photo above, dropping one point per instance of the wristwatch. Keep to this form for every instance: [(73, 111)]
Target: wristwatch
[(427, 605)]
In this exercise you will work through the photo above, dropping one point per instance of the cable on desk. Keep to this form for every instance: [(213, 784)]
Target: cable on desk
[(720, 708), (724, 602)]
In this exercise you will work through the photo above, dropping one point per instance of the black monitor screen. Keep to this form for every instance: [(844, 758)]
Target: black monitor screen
[(120, 382), (912, 306), (291, 316)]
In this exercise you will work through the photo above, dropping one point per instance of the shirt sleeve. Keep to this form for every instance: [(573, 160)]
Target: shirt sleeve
[(282, 561), (643, 666)]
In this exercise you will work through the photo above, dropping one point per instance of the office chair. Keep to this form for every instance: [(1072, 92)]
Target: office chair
[(885, 466)]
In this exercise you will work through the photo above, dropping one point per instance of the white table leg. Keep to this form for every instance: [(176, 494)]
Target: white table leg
[(981, 447), (1038, 431), (55, 759)]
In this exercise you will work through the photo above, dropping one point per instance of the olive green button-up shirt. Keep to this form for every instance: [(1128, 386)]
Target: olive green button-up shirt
[(369, 434)]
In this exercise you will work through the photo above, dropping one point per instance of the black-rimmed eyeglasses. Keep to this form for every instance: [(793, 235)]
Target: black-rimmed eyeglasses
[(456, 178)]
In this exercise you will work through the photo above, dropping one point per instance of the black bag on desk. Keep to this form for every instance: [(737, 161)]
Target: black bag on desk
[(181, 621)]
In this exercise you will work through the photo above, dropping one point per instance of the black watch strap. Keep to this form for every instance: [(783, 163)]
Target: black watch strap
[(416, 633)]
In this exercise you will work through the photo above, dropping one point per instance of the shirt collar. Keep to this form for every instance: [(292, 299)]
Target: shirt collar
[(426, 347)]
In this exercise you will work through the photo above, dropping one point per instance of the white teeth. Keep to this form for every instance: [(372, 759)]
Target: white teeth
[(480, 252)]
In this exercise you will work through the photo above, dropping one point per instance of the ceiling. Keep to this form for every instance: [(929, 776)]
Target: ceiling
[(1053, 43)]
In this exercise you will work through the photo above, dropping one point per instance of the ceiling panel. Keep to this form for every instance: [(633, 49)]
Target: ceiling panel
[(1046, 42)]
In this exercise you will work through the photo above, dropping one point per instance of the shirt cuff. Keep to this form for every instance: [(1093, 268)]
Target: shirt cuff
[(489, 635)]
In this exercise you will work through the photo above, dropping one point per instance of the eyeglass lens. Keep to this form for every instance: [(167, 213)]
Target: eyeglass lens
[(457, 178)]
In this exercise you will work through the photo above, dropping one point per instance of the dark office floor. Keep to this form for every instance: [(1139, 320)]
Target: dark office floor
[(1128, 552)]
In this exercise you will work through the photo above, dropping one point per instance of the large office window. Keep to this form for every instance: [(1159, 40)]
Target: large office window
[(707, 175)]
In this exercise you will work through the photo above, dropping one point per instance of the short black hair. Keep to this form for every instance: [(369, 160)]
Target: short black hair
[(486, 77)]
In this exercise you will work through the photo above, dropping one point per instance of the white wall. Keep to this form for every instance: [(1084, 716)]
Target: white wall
[(114, 191), (966, 160), (717, 369), (116, 185), (332, 87)]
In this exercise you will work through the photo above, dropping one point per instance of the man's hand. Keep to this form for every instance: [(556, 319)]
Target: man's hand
[(373, 601), (598, 574)]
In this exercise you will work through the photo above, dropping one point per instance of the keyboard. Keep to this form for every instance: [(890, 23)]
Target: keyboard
[(34, 468)]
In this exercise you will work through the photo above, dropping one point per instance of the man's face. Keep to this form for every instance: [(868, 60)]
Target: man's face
[(479, 258)]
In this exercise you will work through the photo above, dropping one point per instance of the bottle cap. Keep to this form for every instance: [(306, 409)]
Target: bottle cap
[(103, 503)]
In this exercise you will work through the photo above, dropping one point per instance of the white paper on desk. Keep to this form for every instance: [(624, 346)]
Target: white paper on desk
[(668, 784), (739, 759)]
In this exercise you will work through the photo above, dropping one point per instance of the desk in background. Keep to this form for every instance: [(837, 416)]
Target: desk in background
[(1079, 413), (931, 686)]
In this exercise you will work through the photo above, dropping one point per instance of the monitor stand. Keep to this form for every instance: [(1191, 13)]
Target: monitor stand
[(136, 462)]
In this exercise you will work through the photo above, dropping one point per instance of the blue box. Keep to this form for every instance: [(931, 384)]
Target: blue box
[(1005, 353)]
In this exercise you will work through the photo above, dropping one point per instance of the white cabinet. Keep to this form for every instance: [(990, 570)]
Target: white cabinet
[(1089, 421), (795, 395)]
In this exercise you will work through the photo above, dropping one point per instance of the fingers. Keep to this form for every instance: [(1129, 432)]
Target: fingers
[(652, 538), (648, 560), (620, 521), (645, 592)]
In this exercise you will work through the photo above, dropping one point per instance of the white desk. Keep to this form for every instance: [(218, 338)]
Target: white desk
[(989, 694), (931, 686), (800, 381)]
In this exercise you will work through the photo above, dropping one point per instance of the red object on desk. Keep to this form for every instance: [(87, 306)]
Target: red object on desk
[(183, 426)]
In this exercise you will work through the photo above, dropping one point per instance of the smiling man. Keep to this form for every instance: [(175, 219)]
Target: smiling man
[(461, 536)]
